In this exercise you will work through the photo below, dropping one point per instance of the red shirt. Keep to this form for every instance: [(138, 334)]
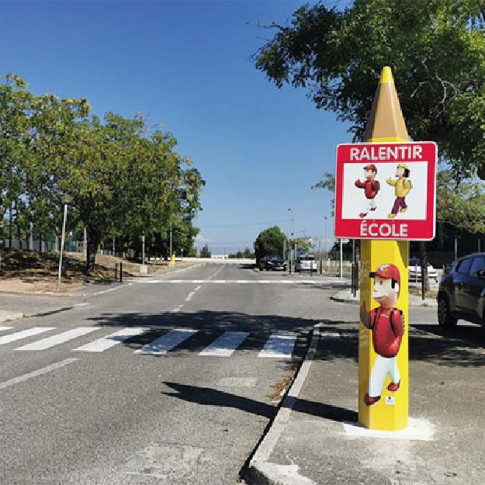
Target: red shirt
[(387, 332), (371, 187)]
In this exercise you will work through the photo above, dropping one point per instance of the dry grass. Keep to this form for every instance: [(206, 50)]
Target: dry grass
[(30, 271)]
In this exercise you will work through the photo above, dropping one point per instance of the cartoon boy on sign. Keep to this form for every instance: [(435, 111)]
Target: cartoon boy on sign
[(371, 187), (387, 325)]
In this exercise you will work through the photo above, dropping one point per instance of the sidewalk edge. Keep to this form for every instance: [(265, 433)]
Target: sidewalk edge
[(10, 317), (260, 470)]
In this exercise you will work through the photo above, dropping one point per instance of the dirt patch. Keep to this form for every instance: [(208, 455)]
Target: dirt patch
[(23, 271), (280, 389)]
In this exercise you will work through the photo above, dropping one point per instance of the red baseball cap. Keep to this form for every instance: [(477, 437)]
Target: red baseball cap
[(371, 166), (387, 271)]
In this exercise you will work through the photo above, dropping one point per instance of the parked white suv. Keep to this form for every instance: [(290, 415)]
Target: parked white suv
[(306, 263)]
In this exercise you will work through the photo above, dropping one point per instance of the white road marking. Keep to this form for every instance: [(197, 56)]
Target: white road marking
[(279, 345), (111, 340), (4, 329), (248, 282), (216, 273), (193, 292), (225, 345), (6, 339), (167, 342), (58, 339), (39, 372)]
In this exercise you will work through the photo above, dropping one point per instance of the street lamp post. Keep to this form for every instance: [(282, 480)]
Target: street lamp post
[(66, 200), (292, 236), (325, 243)]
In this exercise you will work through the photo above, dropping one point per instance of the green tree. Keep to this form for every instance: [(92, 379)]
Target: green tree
[(436, 50), (461, 204), (327, 183), (270, 241), (125, 180), (15, 126), (205, 252)]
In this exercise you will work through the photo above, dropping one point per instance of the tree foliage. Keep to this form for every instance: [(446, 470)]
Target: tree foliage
[(205, 252), (125, 180), (270, 241), (461, 205), (436, 49)]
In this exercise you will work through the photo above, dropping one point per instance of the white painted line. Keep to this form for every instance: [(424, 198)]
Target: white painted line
[(417, 430), (190, 295), (4, 329), (246, 282), (111, 340), (279, 346), (6, 339), (109, 290), (225, 345), (330, 335), (58, 339), (167, 342), (216, 273), (39, 372)]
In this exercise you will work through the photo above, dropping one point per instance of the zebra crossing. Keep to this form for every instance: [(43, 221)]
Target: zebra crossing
[(277, 345)]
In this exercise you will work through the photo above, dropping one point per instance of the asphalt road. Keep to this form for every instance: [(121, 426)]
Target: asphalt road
[(164, 399)]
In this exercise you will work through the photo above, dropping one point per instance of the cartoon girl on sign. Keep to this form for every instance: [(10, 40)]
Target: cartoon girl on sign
[(402, 186), (387, 325)]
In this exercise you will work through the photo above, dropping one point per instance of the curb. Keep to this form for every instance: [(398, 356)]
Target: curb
[(11, 316), (428, 303), (262, 472)]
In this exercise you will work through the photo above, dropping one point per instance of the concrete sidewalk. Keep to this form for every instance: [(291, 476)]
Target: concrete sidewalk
[(316, 439), (346, 296)]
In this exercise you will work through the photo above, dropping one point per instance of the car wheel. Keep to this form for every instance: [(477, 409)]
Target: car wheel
[(445, 318)]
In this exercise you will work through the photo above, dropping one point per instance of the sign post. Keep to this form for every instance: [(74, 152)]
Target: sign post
[(385, 196)]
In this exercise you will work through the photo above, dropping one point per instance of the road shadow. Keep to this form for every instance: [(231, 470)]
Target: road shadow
[(462, 346), (427, 343), (209, 326), (214, 397)]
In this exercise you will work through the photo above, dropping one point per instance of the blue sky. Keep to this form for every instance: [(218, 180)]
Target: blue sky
[(187, 66)]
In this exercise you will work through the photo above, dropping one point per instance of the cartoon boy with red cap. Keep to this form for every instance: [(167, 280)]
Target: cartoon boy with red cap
[(370, 186), (387, 325)]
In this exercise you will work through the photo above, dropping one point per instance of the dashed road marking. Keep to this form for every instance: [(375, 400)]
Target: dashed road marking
[(39, 372)]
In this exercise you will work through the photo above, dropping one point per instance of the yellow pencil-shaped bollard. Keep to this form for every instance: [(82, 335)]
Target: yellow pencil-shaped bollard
[(383, 329)]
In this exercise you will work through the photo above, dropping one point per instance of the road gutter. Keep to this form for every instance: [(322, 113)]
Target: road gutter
[(260, 471)]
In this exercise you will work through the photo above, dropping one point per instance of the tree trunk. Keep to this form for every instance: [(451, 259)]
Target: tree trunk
[(92, 248)]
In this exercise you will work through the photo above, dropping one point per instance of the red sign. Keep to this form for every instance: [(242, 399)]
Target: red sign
[(386, 191)]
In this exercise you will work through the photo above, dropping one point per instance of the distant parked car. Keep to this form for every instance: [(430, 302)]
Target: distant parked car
[(415, 270), (273, 263), (461, 293), (306, 263)]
